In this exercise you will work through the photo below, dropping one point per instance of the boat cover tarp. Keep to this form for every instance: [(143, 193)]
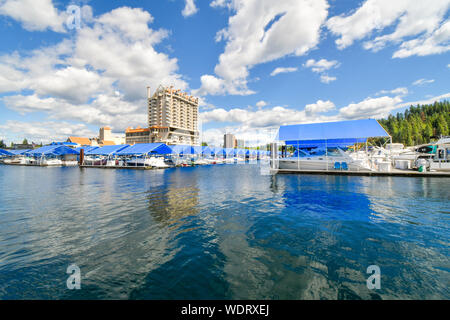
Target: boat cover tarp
[(5, 153), (145, 148), (19, 152), (181, 149), (332, 143), (228, 151), (196, 150), (217, 151), (206, 151), (87, 148), (52, 150), (239, 152), (339, 132), (107, 150)]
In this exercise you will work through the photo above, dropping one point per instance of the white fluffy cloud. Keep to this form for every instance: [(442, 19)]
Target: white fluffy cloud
[(262, 31), (370, 108), (98, 77), (327, 79), (282, 70), (410, 18), (44, 132), (321, 65), (422, 82), (320, 106), (271, 117), (35, 15), (189, 8), (261, 104), (401, 91)]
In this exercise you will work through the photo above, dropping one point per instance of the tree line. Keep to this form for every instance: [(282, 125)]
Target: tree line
[(419, 124)]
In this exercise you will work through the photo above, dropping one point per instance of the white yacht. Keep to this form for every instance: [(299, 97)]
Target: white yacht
[(338, 160), (158, 162)]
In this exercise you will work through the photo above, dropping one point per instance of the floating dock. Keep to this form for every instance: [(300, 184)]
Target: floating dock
[(120, 167), (393, 173)]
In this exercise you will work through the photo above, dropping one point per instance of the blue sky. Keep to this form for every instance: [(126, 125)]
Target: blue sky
[(255, 64)]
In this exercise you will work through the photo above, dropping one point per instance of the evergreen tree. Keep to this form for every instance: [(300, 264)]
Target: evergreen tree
[(419, 124)]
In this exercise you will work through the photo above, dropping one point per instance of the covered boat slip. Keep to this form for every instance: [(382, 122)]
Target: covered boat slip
[(52, 155), (159, 155), (336, 147)]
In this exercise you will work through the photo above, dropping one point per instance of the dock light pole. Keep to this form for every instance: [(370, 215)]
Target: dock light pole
[(273, 153)]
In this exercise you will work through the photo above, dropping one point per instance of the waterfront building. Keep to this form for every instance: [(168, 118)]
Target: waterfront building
[(21, 146), (229, 140), (80, 141), (172, 116), (172, 119), (138, 135), (105, 137)]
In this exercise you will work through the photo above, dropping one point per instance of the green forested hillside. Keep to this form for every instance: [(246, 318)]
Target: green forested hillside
[(419, 124)]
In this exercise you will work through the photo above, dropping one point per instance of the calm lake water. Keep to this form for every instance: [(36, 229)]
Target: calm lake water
[(221, 232)]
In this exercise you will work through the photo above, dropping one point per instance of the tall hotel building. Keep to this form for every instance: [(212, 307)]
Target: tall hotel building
[(172, 119)]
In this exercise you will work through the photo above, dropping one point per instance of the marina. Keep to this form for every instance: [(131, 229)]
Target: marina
[(220, 232), (224, 158)]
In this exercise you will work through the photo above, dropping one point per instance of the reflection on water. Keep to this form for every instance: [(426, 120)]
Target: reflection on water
[(220, 232)]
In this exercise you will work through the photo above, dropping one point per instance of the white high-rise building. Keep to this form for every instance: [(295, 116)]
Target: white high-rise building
[(172, 116), (229, 140)]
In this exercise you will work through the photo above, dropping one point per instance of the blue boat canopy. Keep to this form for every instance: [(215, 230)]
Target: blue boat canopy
[(181, 149), (107, 150), (144, 149), (217, 151), (206, 151), (52, 150), (5, 153), (18, 152), (228, 151), (342, 133), (87, 148), (196, 150)]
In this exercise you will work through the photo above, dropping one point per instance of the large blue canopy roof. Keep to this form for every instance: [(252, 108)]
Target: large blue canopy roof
[(207, 151), (5, 153), (181, 149), (87, 148), (196, 150), (18, 152), (332, 143), (339, 132), (54, 150), (228, 151), (145, 148), (107, 150), (217, 151)]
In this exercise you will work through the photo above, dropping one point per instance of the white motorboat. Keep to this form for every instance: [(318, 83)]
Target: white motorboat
[(94, 161), (158, 162), (201, 162), (332, 161), (49, 162), (70, 163), (140, 162)]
